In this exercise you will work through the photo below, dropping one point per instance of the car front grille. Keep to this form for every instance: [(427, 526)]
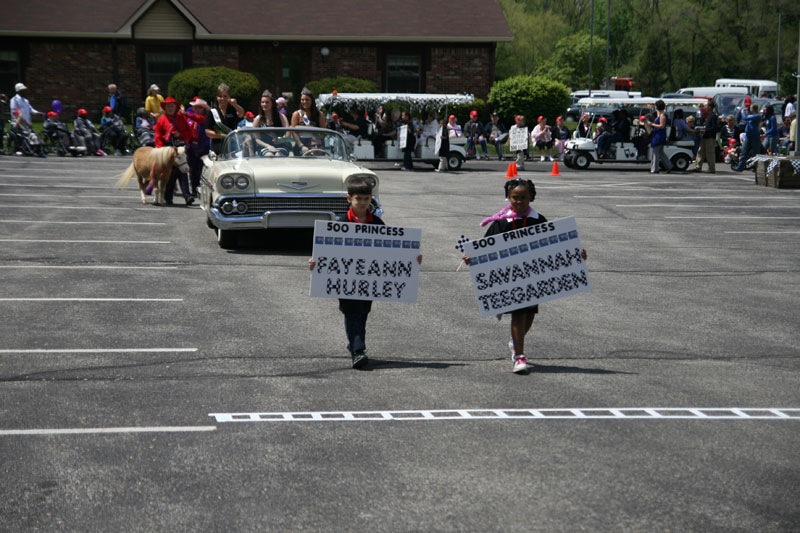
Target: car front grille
[(258, 206)]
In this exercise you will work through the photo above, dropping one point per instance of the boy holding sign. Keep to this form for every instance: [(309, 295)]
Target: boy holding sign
[(517, 215), (359, 196), (518, 141)]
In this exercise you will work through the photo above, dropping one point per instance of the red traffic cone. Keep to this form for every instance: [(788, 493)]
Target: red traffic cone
[(555, 172), (509, 172)]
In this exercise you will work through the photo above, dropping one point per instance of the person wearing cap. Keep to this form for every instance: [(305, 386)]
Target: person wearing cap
[(247, 120), (542, 139), (521, 155), (172, 127), (474, 132), (561, 135), (113, 135), (200, 144), (752, 136), (740, 123), (152, 103), (55, 129), (282, 109), (585, 127), (85, 134), (453, 129), (498, 134), (20, 103)]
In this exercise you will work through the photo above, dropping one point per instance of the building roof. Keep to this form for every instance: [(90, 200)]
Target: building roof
[(317, 20)]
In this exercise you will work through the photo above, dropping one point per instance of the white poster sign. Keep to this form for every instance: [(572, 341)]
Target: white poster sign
[(365, 262), (527, 266), (402, 136), (438, 145), (518, 139)]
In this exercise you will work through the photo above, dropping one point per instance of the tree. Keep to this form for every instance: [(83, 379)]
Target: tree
[(530, 96)]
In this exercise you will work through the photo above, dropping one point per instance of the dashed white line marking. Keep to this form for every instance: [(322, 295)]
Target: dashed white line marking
[(728, 217), (83, 241), (656, 197), (710, 206), (111, 223), (628, 413), (761, 232), (95, 350), (91, 299), (40, 206), (79, 431), (94, 267), (76, 196)]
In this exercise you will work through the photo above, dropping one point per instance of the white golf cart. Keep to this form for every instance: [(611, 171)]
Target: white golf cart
[(426, 151), (581, 152)]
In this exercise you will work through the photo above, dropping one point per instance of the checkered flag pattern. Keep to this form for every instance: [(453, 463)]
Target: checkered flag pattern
[(461, 243)]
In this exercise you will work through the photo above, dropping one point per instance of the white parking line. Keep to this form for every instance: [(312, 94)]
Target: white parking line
[(94, 267), (656, 197), (83, 241), (77, 196), (628, 413), (79, 431), (735, 216), (16, 206), (95, 350), (710, 206), (91, 299), (761, 232), (113, 223), (49, 186)]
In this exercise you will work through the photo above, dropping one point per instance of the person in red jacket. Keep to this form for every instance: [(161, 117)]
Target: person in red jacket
[(170, 128)]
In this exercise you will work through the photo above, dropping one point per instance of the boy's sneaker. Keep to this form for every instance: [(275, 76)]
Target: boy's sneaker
[(520, 364), (360, 359)]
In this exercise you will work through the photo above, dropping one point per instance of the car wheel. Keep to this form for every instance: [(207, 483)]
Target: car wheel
[(581, 161), (569, 160), (454, 161), (226, 239), (680, 162)]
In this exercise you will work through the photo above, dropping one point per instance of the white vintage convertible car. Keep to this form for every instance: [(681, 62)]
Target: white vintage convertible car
[(278, 178)]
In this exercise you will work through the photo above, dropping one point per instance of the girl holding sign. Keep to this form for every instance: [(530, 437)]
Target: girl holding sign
[(516, 215)]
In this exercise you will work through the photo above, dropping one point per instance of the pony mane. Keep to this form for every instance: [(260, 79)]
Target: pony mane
[(161, 156)]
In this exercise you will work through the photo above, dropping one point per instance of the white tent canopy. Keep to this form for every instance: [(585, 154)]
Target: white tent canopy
[(414, 101)]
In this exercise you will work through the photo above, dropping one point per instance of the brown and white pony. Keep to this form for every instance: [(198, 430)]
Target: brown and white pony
[(154, 165)]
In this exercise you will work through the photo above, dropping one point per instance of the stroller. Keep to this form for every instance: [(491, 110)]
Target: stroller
[(57, 137)]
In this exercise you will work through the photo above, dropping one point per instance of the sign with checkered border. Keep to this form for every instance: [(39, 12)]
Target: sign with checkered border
[(365, 262), (527, 266)]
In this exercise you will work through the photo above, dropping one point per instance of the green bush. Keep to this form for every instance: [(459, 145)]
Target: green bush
[(203, 82), (342, 84), (462, 111), (530, 96)]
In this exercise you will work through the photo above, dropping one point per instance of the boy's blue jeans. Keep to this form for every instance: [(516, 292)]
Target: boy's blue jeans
[(355, 323)]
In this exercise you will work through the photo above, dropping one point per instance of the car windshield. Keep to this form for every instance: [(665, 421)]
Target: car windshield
[(314, 143)]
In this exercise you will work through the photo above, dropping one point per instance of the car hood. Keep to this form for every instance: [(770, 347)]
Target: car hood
[(296, 174)]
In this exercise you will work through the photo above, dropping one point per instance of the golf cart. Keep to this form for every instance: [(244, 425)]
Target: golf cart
[(582, 152), (426, 151)]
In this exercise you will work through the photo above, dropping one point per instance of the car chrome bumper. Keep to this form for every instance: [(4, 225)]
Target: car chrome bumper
[(270, 219)]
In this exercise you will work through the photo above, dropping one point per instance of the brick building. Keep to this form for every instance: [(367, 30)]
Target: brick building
[(72, 49)]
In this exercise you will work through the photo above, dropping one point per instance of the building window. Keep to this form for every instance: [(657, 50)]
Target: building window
[(403, 74), (9, 71), (161, 66)]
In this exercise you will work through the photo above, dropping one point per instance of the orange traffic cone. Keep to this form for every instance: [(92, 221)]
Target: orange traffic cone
[(555, 172), (509, 172), (514, 169)]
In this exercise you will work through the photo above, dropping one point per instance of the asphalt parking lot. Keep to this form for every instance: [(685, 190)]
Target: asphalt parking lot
[(150, 381)]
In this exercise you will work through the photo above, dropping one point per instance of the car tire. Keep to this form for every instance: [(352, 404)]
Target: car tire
[(581, 160), (226, 239), (569, 160), (680, 162), (454, 161)]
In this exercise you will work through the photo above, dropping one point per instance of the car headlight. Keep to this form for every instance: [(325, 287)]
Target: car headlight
[(368, 177), (226, 182), (242, 182)]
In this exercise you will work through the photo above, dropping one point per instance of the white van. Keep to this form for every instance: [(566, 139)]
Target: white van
[(711, 92), (762, 88)]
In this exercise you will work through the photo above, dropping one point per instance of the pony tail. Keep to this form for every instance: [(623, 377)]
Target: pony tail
[(125, 177)]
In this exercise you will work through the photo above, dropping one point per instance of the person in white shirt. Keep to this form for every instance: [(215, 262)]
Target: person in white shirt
[(21, 104)]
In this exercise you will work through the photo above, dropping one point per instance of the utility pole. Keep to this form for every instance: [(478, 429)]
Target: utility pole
[(591, 50), (778, 69), (608, 43)]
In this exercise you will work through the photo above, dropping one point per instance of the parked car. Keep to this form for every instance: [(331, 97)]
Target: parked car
[(278, 178)]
